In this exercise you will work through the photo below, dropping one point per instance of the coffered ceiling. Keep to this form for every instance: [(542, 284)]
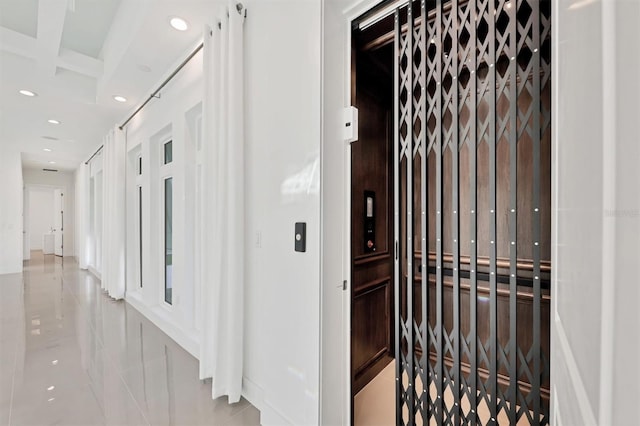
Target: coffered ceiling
[(76, 55)]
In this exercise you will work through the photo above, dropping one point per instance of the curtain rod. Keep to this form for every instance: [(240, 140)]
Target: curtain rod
[(94, 154), (164, 83)]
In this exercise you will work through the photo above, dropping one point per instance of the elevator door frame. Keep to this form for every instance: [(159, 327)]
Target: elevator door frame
[(352, 14)]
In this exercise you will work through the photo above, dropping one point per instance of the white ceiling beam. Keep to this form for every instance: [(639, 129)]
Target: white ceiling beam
[(125, 28), (17, 43), (80, 63), (51, 15), (22, 45)]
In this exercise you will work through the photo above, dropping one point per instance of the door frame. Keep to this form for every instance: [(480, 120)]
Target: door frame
[(358, 8), (27, 206), (350, 14)]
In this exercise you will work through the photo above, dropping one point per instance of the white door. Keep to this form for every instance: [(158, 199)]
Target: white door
[(58, 221), (26, 246)]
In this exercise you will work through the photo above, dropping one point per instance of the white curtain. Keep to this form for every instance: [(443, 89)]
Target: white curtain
[(82, 214), (221, 348), (113, 216)]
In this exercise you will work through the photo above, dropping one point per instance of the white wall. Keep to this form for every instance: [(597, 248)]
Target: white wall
[(62, 179), (282, 149), (596, 213), (11, 199), (40, 215), (282, 104)]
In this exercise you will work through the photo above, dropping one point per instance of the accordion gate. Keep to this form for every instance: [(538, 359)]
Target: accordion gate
[(471, 156)]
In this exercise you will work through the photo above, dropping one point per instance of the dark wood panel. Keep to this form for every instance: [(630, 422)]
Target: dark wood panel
[(525, 207), (371, 288), (524, 318), (369, 172), (370, 328), (370, 272)]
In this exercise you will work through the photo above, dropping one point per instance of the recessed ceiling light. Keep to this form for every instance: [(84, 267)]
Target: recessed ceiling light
[(120, 98), (47, 150), (53, 121), (179, 24), (52, 162), (28, 93), (51, 138), (50, 388)]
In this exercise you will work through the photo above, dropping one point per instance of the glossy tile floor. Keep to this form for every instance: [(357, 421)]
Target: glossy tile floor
[(70, 355)]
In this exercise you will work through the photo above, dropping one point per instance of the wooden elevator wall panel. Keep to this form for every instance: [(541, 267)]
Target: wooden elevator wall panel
[(371, 289), (525, 191)]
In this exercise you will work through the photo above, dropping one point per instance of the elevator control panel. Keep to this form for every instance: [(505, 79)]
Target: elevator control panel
[(369, 222)]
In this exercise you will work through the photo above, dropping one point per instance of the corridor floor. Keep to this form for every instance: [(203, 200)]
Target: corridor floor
[(70, 355)]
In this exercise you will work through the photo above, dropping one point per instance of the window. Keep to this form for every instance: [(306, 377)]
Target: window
[(168, 152), (168, 237), (140, 233)]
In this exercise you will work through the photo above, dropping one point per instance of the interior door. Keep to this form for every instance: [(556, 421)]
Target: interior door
[(58, 221)]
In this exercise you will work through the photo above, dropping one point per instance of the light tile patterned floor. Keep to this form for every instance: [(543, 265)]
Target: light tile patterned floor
[(70, 355)]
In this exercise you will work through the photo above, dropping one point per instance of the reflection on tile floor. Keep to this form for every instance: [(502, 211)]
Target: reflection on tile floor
[(70, 355)]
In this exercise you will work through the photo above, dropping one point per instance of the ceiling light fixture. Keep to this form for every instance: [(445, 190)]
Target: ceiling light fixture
[(53, 121), (179, 24), (28, 93), (47, 150), (120, 98), (52, 162)]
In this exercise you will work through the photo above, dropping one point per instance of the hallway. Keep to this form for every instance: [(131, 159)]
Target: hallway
[(71, 355)]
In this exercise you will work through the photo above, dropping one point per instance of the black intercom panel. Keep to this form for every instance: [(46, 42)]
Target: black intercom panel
[(369, 221), (301, 236)]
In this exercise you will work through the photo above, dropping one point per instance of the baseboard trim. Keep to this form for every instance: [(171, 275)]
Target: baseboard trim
[(94, 272), (253, 393), (188, 340), (271, 416)]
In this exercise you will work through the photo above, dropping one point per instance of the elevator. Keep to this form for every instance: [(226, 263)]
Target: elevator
[(451, 208)]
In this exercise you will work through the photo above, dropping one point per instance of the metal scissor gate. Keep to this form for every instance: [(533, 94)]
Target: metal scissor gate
[(472, 198)]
